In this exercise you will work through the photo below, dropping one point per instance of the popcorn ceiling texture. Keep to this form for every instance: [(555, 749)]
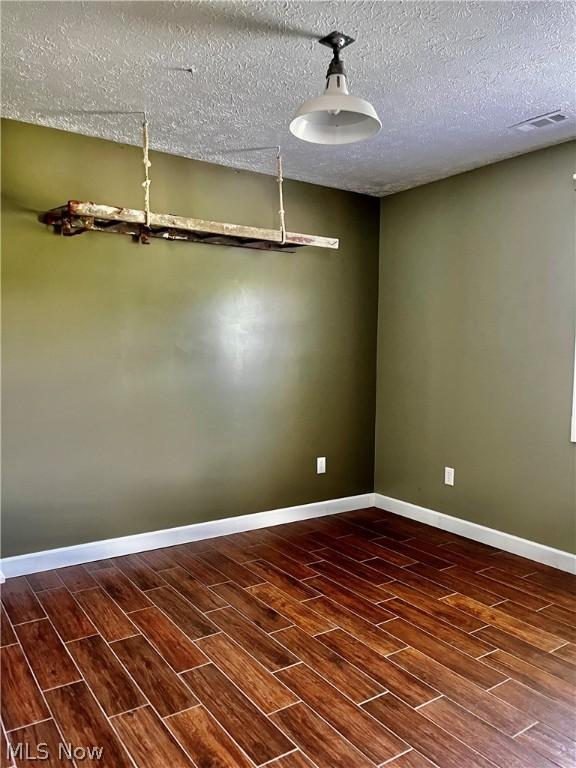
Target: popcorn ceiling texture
[(447, 79)]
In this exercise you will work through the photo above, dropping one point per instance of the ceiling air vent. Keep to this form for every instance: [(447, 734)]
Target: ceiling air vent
[(540, 121)]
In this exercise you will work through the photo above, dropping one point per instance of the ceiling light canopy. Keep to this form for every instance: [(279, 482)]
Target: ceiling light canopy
[(335, 117)]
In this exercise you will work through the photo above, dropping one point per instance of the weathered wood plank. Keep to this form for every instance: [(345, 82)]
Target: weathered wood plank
[(177, 227)]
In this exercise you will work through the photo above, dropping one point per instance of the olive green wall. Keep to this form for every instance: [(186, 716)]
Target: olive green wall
[(476, 345), (146, 387)]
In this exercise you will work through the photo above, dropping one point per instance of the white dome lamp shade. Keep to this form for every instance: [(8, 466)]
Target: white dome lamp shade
[(336, 117)]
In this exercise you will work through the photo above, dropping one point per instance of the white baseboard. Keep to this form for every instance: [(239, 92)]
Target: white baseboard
[(556, 558), (20, 565)]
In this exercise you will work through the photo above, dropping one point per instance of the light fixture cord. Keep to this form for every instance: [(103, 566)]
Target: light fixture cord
[(281, 211), (147, 164)]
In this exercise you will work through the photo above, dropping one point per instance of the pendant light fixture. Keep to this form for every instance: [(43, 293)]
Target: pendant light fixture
[(335, 117)]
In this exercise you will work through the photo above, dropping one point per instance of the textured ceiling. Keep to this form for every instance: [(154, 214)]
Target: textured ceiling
[(447, 79)]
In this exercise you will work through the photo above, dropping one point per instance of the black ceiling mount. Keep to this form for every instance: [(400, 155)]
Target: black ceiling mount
[(336, 41)]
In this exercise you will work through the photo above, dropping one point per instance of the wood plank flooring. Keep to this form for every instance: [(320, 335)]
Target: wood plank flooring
[(352, 641)]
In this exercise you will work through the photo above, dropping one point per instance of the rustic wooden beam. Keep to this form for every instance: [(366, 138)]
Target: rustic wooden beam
[(166, 221), (75, 219)]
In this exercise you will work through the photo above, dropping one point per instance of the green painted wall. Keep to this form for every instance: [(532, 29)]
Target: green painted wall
[(476, 345), (146, 387)]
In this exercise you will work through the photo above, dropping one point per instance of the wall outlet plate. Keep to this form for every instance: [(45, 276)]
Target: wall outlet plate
[(321, 465), (448, 475)]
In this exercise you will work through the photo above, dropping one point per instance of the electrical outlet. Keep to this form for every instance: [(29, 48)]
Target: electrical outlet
[(448, 476), (321, 465)]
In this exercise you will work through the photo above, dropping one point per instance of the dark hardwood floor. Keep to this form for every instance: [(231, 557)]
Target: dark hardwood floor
[(352, 641)]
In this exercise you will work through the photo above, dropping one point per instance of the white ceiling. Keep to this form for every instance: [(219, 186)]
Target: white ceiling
[(447, 78)]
